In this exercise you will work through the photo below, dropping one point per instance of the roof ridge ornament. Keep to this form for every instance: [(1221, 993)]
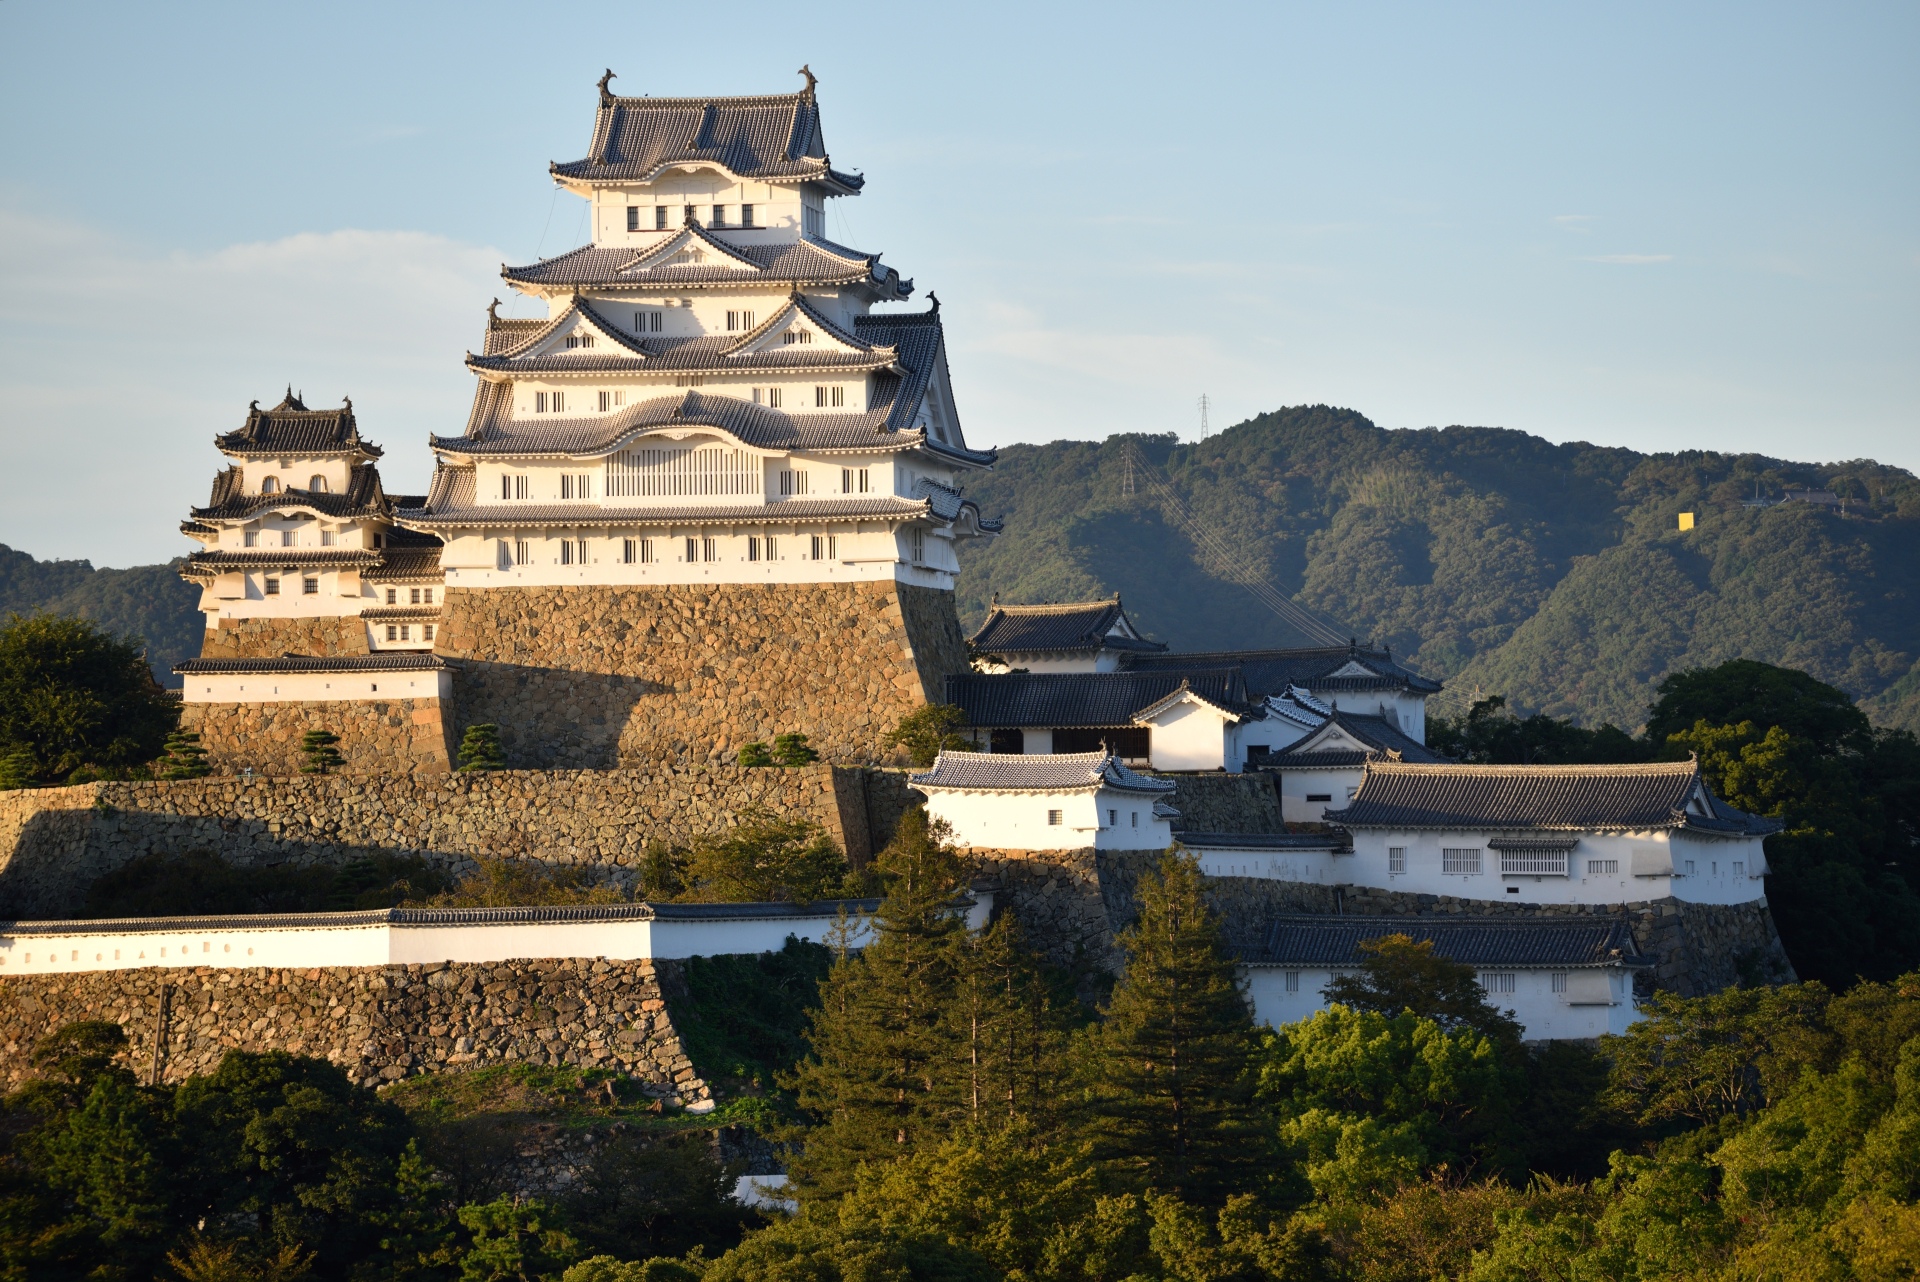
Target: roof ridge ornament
[(493, 314), (812, 80), (606, 95), (934, 298)]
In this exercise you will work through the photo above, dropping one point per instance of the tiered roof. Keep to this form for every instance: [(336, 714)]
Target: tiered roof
[(669, 266), (1090, 699), (362, 498), (290, 429), (1665, 795), (1067, 628), (769, 138), (1381, 739)]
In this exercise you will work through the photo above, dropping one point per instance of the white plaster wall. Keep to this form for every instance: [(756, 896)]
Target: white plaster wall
[(1018, 820), (1128, 823), (1319, 866), (1036, 741), (1297, 785), (865, 554), (1273, 732), (1190, 736), (381, 944), (1544, 1015), (1586, 884), (294, 472), (317, 687)]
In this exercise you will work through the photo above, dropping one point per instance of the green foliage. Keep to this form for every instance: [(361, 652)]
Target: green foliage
[(1743, 690), (74, 698), (480, 748), (924, 732), (1169, 1078), (1396, 974), (791, 750), (764, 859), (755, 754), (513, 1241), (17, 768), (199, 883), (318, 755), (1550, 574), (185, 758), (1491, 735), (656, 1196), (745, 1018), (522, 883), (148, 601)]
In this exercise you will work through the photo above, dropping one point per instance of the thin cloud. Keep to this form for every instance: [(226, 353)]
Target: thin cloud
[(1629, 260), (1575, 222)]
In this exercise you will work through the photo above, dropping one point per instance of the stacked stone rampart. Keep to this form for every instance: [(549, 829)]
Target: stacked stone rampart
[(55, 841), (377, 1023), (377, 736), (1073, 903), (600, 676), (269, 638), (1227, 803)]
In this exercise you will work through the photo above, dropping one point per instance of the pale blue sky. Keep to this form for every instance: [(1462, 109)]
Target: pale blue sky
[(1658, 226)]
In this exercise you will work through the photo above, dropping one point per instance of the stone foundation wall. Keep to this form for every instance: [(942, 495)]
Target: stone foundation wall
[(1227, 803), (271, 638), (1072, 904), (377, 736), (598, 676), (378, 1023), (55, 841)]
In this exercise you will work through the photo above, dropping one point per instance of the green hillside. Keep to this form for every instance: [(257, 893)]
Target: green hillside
[(148, 601), (1552, 574)]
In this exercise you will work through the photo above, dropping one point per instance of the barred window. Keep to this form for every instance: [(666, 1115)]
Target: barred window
[(629, 551), (1459, 860), (826, 547), (393, 596), (693, 550), (1498, 981), (579, 340), (272, 587), (576, 485), (310, 586), (753, 547), (1055, 818), (414, 598), (771, 547), (426, 632), (393, 632), (682, 473), (647, 322), (708, 550), (719, 215), (797, 335), (659, 217), (522, 552), (1739, 868), (1293, 981), (1602, 867), (250, 538), (746, 219), (633, 218), (855, 480), (612, 399), (1559, 981), (793, 481), (1396, 858), (917, 546)]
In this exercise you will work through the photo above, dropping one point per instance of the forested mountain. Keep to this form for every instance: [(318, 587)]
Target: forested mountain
[(148, 601), (1552, 574)]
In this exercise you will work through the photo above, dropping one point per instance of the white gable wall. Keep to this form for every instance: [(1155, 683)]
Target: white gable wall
[(1192, 735), (1106, 819), (1598, 999)]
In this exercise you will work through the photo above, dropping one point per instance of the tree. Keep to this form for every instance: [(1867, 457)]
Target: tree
[(320, 756), (185, 758), (1168, 1070), (480, 748), (1746, 690), (791, 750), (17, 768), (1490, 734), (925, 732), (755, 754), (764, 859), (880, 1077), (74, 698), (1396, 974)]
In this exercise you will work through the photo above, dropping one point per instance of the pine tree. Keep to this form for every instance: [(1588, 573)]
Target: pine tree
[(480, 748), (881, 1076), (1168, 1077), (755, 754), (792, 750), (17, 769), (321, 756), (185, 758), (1012, 1026)]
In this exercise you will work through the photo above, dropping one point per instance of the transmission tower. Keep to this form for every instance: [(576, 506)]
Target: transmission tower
[(1203, 416)]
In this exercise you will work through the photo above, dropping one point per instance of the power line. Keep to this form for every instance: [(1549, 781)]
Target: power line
[(1216, 549)]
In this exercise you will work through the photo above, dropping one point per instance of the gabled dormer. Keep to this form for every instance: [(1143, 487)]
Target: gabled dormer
[(803, 331), (694, 246)]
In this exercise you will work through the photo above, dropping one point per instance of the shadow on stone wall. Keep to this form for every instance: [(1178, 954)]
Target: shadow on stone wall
[(560, 718)]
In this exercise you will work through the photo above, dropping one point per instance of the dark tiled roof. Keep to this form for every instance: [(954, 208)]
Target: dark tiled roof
[(295, 665), (408, 564), (399, 613), (775, 137), (1272, 671), (293, 429), (452, 503), (1036, 772), (271, 558), (801, 262), (1577, 798), (229, 502), (1337, 841), (1381, 737), (1335, 941), (1065, 699), (1021, 629)]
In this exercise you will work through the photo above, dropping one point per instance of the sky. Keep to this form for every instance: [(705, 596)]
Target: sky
[(1650, 225)]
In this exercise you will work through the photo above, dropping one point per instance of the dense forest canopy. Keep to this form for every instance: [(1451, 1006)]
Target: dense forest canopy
[(1554, 575)]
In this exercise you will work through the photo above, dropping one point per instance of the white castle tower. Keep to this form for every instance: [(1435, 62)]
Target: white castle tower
[(710, 398)]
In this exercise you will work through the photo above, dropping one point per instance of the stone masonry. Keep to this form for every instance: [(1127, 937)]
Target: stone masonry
[(385, 736), (55, 841), (377, 1023), (1073, 903), (596, 677), (320, 637)]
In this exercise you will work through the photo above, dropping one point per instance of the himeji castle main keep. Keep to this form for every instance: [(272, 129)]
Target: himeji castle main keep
[(711, 496)]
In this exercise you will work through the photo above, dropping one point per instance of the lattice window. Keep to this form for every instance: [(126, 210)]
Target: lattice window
[(1498, 981), (1459, 860), (682, 473)]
